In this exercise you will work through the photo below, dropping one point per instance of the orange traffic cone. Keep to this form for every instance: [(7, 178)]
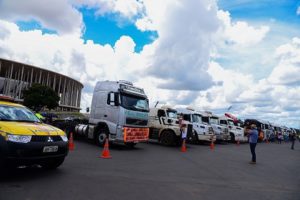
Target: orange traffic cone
[(212, 145), (183, 146), (105, 152), (71, 142)]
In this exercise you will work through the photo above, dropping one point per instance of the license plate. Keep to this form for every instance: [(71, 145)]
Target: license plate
[(48, 149)]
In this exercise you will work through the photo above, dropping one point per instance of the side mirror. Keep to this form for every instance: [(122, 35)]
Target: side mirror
[(170, 121)]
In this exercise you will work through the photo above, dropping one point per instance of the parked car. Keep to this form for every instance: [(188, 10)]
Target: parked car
[(25, 140)]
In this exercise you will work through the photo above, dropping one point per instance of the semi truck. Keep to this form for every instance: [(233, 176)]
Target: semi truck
[(221, 132), (119, 112), (202, 132), (236, 133), (164, 126), (264, 128)]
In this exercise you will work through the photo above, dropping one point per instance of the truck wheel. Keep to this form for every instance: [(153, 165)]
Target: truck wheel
[(101, 137), (195, 137), (167, 138), (130, 144), (53, 163), (232, 138)]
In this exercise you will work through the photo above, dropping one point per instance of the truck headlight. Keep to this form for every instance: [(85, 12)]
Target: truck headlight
[(64, 138), (18, 138)]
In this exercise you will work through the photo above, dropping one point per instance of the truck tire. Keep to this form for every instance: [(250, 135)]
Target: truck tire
[(167, 138), (53, 163), (101, 136), (195, 139), (232, 138), (130, 144)]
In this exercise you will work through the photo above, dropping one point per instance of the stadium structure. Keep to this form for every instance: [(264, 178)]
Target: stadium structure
[(15, 77)]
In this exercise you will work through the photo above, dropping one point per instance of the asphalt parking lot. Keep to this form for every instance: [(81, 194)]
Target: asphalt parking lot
[(152, 171)]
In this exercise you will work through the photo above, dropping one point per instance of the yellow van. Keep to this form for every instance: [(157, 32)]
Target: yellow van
[(25, 140)]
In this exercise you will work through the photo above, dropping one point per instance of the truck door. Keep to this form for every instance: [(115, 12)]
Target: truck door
[(161, 114), (111, 113), (158, 124)]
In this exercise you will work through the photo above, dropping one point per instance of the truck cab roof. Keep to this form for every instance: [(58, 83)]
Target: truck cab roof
[(120, 86)]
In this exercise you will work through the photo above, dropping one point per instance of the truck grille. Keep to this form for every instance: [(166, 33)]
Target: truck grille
[(38, 138), (139, 122), (210, 130), (226, 130)]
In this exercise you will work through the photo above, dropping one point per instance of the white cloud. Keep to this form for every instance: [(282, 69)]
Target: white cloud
[(57, 15), (230, 85), (243, 47), (182, 50), (240, 32), (298, 11), (154, 14), (288, 69), (125, 8)]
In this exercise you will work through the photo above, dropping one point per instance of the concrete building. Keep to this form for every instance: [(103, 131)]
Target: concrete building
[(15, 77)]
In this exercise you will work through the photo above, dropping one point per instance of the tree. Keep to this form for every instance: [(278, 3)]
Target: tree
[(39, 96)]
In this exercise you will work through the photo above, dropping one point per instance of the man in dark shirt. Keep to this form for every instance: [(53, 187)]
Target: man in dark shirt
[(253, 137), (293, 138)]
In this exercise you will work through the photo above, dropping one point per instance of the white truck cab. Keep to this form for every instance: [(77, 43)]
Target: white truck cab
[(202, 132), (221, 132), (164, 125), (236, 132), (119, 112)]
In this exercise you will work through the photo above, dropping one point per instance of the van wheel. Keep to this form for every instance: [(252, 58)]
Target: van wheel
[(101, 137), (232, 138), (53, 163), (167, 138)]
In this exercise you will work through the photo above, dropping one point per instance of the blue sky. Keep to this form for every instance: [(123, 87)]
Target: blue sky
[(206, 54), (284, 10), (106, 30)]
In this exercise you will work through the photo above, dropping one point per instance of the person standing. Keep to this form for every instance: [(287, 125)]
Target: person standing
[(253, 137), (293, 138), (279, 137), (183, 128)]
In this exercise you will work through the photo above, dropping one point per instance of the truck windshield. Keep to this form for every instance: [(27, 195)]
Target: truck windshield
[(230, 123), (132, 102), (214, 120), (11, 113), (197, 118), (205, 119), (172, 114), (223, 122)]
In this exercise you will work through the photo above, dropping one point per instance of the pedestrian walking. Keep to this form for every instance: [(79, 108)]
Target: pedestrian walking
[(253, 137), (293, 138)]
